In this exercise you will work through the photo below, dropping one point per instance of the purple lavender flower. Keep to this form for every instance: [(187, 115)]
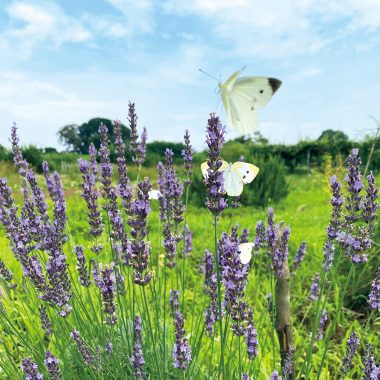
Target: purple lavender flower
[(370, 370), (245, 376), (328, 255), (138, 249), (82, 267), (91, 195), (336, 213), (83, 348), (369, 205), (108, 289), (46, 324), (278, 248), (181, 348), (275, 375), (96, 273), (188, 241), (260, 237), (244, 236), (210, 288), (355, 185), (52, 365), (18, 159), (251, 337), (216, 202), (109, 347), (30, 369), (234, 277), (171, 207), (352, 344), (109, 191), (374, 295), (119, 281), (137, 357), (93, 153), (300, 255), (7, 275), (187, 155), (125, 189), (322, 325), (314, 289), (137, 149), (287, 366)]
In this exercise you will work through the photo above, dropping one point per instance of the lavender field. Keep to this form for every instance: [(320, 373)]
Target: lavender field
[(101, 278)]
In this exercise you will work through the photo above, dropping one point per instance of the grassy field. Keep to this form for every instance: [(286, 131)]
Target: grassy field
[(306, 210)]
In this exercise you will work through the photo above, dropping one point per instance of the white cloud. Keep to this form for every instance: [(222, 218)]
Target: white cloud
[(273, 28), (138, 15), (39, 23)]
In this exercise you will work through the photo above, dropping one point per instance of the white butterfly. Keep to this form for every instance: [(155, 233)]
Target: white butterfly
[(154, 194), (245, 252), (242, 97), (235, 175)]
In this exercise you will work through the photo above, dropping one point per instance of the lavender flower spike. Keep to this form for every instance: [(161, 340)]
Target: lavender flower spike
[(369, 205), (52, 365), (187, 155), (108, 289), (18, 158), (370, 370), (300, 255), (210, 288), (45, 321), (352, 344), (82, 267), (314, 289), (275, 376), (216, 202), (336, 213), (322, 325), (82, 348), (137, 148), (30, 369), (181, 349), (374, 295), (137, 358)]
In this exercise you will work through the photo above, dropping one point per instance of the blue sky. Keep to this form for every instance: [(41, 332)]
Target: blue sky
[(65, 62)]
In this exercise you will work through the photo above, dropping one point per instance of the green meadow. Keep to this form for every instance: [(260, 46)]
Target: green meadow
[(306, 209)]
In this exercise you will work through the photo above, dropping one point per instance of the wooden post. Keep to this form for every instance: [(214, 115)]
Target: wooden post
[(283, 325)]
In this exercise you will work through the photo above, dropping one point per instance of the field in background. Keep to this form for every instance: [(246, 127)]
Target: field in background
[(306, 209)]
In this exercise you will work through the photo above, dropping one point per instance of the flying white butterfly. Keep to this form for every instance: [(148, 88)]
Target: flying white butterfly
[(245, 252), (243, 96), (235, 175), (154, 194)]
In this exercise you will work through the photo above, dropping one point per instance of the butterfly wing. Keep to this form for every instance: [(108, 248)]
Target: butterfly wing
[(154, 194), (248, 172), (205, 167), (242, 97), (233, 183), (245, 252)]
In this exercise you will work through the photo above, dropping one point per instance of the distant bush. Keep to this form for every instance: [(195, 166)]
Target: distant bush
[(34, 156)]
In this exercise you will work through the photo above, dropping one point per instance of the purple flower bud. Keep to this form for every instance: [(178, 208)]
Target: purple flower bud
[(210, 288), (370, 370), (322, 325), (108, 289), (300, 255), (370, 205), (251, 338), (274, 376), (45, 321), (18, 158), (374, 295), (314, 289), (83, 348), (52, 365), (187, 155), (328, 255), (352, 344), (30, 369), (82, 267), (188, 241), (137, 149), (137, 358), (109, 347), (216, 202), (181, 348)]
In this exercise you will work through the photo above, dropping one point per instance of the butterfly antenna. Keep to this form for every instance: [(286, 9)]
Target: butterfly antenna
[(209, 75)]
